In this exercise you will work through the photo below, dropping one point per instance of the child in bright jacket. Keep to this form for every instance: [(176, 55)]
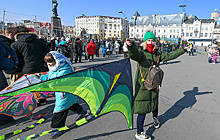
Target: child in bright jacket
[(58, 66)]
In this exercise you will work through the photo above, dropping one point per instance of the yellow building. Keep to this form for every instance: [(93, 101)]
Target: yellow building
[(101, 26)]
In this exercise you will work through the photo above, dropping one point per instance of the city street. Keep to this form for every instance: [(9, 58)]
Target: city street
[(189, 107)]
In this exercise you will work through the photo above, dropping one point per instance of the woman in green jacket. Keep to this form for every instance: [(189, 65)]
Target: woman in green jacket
[(146, 101)]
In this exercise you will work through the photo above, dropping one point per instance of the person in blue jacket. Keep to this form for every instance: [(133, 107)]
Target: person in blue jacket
[(58, 66)]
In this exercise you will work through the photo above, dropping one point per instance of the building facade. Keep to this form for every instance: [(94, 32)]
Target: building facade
[(164, 26), (199, 31), (101, 27), (69, 31), (41, 29)]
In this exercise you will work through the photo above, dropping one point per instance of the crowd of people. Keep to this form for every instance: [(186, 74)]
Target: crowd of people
[(75, 49), (57, 56)]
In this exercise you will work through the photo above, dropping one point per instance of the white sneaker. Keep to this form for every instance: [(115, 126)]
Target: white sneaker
[(142, 136), (156, 123)]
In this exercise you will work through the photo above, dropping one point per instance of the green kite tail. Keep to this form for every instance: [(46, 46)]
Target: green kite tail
[(11, 134)]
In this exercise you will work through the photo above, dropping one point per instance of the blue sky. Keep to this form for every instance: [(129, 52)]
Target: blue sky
[(69, 9)]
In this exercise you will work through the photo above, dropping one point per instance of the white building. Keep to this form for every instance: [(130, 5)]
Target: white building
[(199, 31), (101, 26), (164, 26)]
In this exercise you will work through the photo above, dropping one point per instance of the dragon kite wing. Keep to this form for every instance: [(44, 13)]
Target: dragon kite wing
[(105, 88), (24, 103)]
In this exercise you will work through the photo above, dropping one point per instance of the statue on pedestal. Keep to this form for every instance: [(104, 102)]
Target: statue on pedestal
[(55, 8)]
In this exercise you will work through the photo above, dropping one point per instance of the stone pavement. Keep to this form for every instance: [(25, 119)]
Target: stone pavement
[(188, 109)]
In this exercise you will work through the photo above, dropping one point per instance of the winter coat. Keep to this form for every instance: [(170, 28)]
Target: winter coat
[(91, 48), (85, 46), (125, 48), (97, 44), (30, 52), (3, 81), (78, 48), (6, 41), (104, 49), (52, 45), (146, 101), (63, 100), (117, 45)]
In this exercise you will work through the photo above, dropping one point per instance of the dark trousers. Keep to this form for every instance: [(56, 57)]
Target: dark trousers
[(125, 54), (78, 56), (86, 56), (97, 53), (90, 55), (59, 118), (141, 118)]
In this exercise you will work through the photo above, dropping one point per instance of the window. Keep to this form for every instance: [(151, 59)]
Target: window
[(137, 30), (177, 30), (170, 30), (110, 26), (187, 34), (159, 31), (206, 34), (210, 34), (164, 31), (131, 30), (196, 34), (201, 34), (191, 34), (189, 28), (170, 36), (174, 31), (217, 37)]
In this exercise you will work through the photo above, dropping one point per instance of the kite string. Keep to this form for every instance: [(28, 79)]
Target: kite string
[(31, 116)]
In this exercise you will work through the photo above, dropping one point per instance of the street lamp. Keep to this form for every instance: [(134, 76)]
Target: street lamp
[(183, 7), (123, 22)]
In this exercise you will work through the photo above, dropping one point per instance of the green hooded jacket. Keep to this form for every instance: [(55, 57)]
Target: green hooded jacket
[(146, 101)]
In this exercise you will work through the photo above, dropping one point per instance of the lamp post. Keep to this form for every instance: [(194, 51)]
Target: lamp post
[(3, 25), (183, 7), (123, 34)]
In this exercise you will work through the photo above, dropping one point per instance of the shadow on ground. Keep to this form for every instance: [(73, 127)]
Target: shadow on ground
[(174, 111)]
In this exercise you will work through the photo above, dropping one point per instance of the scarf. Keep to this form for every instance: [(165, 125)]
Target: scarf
[(150, 48)]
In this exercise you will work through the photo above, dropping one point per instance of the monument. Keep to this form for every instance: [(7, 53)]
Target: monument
[(56, 26)]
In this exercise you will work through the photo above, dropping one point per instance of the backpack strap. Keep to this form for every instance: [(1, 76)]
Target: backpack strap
[(149, 63), (141, 74), (153, 60)]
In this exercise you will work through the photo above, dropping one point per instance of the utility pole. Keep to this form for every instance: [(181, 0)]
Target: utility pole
[(3, 27), (123, 24), (35, 20), (183, 18)]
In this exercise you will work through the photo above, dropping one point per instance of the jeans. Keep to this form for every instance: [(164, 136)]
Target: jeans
[(141, 118)]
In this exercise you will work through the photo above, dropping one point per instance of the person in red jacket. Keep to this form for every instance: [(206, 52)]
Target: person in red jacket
[(91, 50)]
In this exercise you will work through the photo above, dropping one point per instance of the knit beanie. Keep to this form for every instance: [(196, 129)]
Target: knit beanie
[(149, 35)]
